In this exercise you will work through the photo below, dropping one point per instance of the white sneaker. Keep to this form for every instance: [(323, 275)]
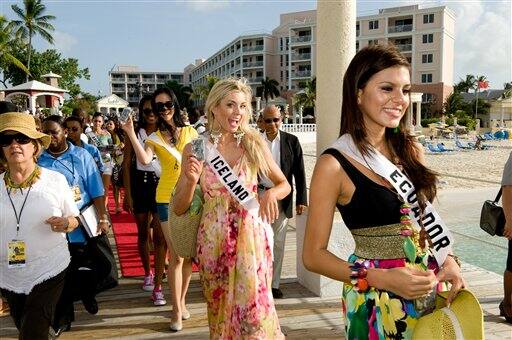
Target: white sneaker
[(158, 297), (149, 283)]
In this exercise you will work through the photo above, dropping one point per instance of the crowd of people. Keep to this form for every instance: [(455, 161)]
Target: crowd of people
[(54, 171)]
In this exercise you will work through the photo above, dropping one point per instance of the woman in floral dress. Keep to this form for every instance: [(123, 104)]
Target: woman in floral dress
[(234, 246)]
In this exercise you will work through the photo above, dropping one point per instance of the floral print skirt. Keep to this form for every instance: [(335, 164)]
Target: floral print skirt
[(377, 314)]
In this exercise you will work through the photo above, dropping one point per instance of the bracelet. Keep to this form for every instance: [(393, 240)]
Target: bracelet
[(358, 273), (456, 259)]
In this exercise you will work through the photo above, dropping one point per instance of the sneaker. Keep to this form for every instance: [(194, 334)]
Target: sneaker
[(149, 283), (158, 297)]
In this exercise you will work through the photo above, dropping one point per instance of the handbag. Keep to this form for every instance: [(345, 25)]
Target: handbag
[(105, 262), (492, 217), (183, 228), (463, 319)]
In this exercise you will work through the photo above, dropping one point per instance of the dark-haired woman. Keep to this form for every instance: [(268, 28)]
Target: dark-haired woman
[(167, 143), (392, 270), (101, 138), (74, 128), (112, 127), (140, 182)]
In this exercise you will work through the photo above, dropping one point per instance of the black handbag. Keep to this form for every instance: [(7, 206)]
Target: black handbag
[(492, 218), (105, 262)]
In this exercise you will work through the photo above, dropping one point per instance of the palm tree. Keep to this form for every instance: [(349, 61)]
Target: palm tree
[(201, 92), (183, 93), (7, 41), (269, 89), (453, 103), (464, 85), (508, 90), (307, 96), (32, 21)]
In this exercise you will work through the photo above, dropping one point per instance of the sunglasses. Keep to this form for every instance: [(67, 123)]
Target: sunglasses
[(270, 120), (160, 107), (6, 140), (147, 112)]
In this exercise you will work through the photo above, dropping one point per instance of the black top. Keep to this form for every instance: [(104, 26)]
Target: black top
[(372, 204)]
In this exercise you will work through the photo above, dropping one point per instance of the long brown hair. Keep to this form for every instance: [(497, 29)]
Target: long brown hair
[(366, 63)]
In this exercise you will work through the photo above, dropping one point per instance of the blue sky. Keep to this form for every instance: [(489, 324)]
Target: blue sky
[(168, 35)]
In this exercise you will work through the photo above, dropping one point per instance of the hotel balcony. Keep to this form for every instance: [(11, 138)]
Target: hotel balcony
[(404, 47), (253, 64), (301, 74), (399, 28), (300, 39), (256, 48), (301, 56), (255, 80)]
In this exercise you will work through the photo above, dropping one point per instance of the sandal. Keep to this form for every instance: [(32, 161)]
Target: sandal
[(502, 312)]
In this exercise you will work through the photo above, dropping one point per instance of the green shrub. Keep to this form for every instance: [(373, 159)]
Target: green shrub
[(425, 122)]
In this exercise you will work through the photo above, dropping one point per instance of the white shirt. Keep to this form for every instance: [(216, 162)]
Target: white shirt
[(46, 251), (154, 166), (275, 149)]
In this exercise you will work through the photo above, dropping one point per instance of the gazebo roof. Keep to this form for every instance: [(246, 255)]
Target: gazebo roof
[(51, 75), (35, 85)]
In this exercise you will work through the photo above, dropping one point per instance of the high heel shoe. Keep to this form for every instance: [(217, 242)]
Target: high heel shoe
[(502, 312), (185, 315), (176, 326)]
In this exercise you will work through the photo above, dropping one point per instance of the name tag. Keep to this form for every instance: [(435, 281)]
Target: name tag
[(16, 254), (77, 196)]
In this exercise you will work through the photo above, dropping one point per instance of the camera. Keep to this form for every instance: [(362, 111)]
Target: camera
[(198, 148), (124, 115)]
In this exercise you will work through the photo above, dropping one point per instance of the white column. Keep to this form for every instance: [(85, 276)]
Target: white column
[(32, 104), (258, 105), (418, 116), (336, 41)]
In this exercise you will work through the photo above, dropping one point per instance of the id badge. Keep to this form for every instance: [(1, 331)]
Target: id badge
[(16, 254), (75, 189)]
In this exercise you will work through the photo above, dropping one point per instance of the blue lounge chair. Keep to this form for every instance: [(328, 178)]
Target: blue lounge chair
[(443, 148), (459, 144), (489, 136), (433, 148)]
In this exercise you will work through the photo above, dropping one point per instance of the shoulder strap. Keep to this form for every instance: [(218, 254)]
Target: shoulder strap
[(498, 196)]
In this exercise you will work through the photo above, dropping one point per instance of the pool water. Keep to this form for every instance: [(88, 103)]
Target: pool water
[(475, 246)]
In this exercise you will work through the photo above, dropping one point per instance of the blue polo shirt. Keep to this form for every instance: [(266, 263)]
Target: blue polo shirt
[(79, 168), (95, 153)]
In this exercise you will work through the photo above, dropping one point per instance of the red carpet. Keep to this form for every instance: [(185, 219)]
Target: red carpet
[(125, 233)]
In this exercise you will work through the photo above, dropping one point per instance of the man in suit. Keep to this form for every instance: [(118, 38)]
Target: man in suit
[(287, 153)]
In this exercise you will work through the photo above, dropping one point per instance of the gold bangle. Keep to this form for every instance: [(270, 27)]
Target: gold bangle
[(456, 259)]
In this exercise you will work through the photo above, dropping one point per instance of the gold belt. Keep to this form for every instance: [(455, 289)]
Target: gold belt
[(383, 242)]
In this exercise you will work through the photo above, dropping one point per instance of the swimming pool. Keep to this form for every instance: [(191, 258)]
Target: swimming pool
[(476, 247)]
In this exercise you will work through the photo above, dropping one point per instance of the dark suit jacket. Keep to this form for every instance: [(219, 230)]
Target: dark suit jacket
[(292, 165)]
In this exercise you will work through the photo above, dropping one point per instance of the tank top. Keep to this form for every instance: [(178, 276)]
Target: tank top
[(154, 166), (372, 204)]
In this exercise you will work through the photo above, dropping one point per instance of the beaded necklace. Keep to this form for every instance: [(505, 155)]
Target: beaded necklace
[(27, 183)]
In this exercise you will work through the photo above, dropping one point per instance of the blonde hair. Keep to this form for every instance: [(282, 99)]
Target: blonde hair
[(252, 141)]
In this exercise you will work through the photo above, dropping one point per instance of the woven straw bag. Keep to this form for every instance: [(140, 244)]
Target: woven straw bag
[(183, 228)]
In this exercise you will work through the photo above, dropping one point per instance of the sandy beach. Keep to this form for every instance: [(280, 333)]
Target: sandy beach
[(458, 169)]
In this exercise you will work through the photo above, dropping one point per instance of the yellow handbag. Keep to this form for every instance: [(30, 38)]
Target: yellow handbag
[(464, 319)]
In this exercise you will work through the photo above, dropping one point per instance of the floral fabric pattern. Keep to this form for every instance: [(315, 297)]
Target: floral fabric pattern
[(379, 315), (235, 263)]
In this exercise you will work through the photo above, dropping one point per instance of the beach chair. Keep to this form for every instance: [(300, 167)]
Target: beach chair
[(443, 148), (489, 136), (459, 144), (433, 148)]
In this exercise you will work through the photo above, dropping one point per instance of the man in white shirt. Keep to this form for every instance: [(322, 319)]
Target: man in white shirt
[(287, 153)]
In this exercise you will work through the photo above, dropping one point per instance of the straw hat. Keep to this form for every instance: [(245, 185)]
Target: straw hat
[(462, 320), (22, 123)]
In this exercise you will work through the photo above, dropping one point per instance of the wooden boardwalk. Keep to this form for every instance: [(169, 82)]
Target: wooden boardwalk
[(126, 312)]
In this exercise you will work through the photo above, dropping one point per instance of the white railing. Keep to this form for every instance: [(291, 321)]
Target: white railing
[(253, 64), (301, 74), (300, 39), (299, 127), (301, 56), (253, 48), (254, 80), (404, 47)]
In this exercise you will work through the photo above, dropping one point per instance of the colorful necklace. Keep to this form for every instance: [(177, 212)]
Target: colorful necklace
[(31, 179)]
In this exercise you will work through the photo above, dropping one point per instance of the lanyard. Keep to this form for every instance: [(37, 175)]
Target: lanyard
[(18, 217), (72, 170)]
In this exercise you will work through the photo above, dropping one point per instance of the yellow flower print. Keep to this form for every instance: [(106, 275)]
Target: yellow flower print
[(391, 310)]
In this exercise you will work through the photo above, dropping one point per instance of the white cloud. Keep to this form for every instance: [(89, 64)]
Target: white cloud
[(482, 40), (206, 5), (63, 42)]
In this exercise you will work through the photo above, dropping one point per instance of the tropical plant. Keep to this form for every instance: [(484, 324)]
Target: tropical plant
[(32, 21), (307, 96), (183, 93), (269, 88), (508, 90), (453, 103), (201, 92), (478, 80), (7, 43), (464, 85), (84, 100), (50, 61)]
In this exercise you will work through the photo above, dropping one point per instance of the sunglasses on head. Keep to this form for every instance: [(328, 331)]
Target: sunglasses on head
[(160, 107), (270, 120), (6, 140), (147, 112)]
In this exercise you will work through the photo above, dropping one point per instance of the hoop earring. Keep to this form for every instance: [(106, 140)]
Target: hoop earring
[(239, 134)]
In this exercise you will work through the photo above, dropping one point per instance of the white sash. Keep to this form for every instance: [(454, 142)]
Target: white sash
[(236, 187), (172, 149), (436, 229)]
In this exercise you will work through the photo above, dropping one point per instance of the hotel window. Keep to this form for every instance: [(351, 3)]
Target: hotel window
[(373, 24), (428, 18), (426, 78), (427, 98), (428, 38), (427, 58), (373, 42)]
